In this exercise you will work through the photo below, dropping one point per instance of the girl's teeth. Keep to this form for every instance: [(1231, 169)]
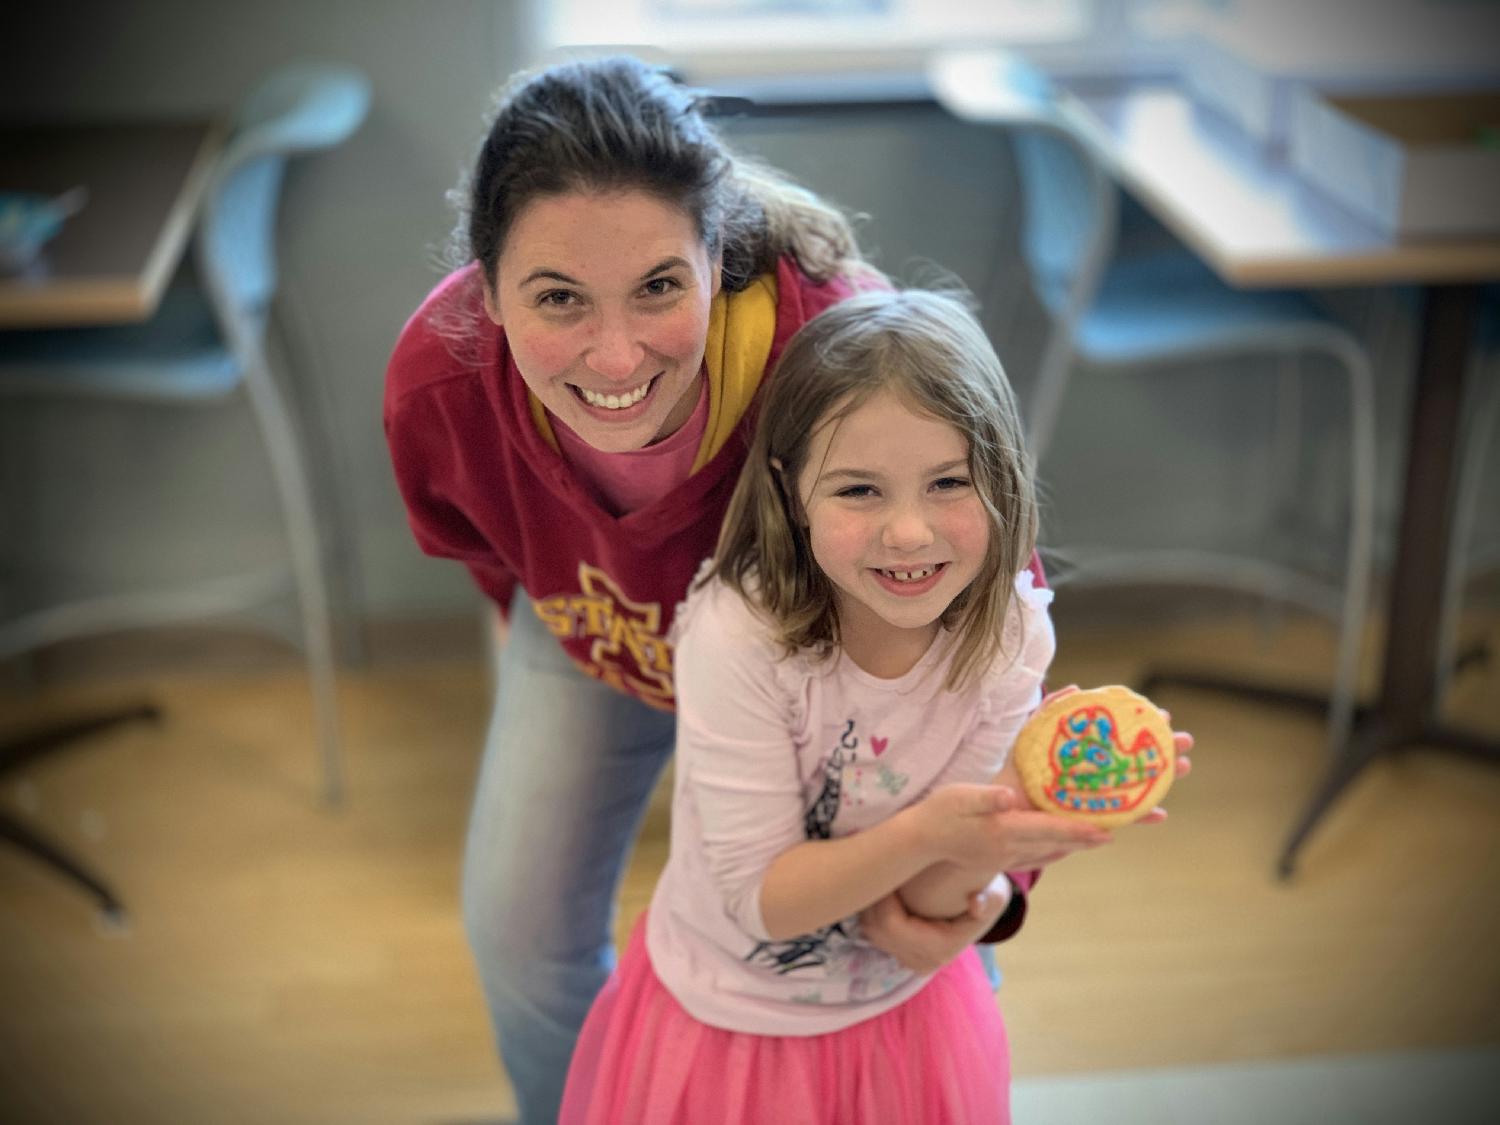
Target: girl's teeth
[(614, 402), (910, 575)]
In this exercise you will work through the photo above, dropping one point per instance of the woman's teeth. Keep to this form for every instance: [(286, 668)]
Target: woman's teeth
[(910, 575), (615, 402)]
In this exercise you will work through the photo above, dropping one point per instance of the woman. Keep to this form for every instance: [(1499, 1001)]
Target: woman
[(568, 415)]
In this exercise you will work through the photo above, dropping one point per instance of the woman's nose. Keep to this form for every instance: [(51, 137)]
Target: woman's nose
[(615, 354)]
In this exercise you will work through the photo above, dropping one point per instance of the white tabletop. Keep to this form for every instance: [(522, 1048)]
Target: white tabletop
[(1244, 210)]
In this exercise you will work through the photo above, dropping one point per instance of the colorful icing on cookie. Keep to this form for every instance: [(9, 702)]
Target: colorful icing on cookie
[(1103, 755)]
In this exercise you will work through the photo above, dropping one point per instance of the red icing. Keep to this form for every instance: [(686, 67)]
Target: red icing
[(1090, 770)]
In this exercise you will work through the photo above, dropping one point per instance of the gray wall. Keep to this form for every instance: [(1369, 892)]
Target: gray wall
[(103, 495), (108, 495)]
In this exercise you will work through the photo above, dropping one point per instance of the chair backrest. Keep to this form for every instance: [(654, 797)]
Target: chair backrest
[(300, 108), (1069, 204)]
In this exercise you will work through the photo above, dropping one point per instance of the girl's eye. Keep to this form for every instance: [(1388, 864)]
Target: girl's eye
[(950, 484), (661, 286), (856, 492)]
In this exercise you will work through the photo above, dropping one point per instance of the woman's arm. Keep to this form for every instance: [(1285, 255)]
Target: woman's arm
[(925, 945)]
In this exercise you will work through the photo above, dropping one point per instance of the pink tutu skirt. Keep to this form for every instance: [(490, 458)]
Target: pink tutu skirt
[(941, 1058)]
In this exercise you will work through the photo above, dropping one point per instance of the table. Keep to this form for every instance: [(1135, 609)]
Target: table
[(111, 261), (108, 265), (1255, 222)]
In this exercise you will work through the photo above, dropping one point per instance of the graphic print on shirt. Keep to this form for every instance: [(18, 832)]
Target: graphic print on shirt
[(836, 952), (889, 780), (629, 651), (818, 823), (816, 948)]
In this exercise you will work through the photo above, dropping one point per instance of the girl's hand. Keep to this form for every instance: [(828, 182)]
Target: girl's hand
[(992, 827), (925, 945)]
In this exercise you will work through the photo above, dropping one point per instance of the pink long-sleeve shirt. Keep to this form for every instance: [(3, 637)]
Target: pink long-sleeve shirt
[(775, 750)]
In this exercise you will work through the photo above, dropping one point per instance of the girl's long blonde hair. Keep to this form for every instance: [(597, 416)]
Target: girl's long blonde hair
[(929, 349)]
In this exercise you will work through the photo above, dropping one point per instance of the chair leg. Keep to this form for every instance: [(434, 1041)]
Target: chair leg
[(1482, 422), (1047, 392), (298, 354), (1341, 703), (287, 467), (1282, 474)]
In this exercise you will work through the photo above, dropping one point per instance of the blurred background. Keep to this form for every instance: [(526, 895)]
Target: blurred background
[(288, 946)]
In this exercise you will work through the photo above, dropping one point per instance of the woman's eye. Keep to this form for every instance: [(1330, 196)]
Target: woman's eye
[(661, 286), (557, 299), (950, 484)]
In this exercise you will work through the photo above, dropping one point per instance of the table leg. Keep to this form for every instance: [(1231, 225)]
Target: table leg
[(1404, 713), (17, 752), (1448, 313)]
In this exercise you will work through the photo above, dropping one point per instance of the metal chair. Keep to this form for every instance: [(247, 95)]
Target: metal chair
[(207, 341), (1137, 315)]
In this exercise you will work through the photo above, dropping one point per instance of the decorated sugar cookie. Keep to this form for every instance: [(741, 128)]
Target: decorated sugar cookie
[(1104, 755)]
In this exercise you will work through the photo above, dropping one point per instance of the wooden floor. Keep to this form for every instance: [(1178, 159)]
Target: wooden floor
[(286, 964)]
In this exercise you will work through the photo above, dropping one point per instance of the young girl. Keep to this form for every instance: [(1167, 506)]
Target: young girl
[(852, 669)]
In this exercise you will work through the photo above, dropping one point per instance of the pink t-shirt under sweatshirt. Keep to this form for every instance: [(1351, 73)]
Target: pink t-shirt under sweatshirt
[(631, 480)]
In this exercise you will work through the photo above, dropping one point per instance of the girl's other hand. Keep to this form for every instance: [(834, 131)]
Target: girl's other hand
[(1182, 750)]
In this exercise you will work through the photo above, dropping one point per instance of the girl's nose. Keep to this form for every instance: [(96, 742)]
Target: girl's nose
[(615, 354), (907, 529)]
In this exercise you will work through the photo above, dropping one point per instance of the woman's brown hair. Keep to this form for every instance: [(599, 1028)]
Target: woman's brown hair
[(617, 124)]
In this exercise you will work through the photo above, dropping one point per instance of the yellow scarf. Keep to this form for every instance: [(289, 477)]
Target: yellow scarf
[(741, 327)]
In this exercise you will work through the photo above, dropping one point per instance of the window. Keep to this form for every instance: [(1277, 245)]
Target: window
[(767, 36)]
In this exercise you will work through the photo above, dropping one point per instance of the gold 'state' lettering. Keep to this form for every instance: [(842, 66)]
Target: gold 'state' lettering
[(628, 651)]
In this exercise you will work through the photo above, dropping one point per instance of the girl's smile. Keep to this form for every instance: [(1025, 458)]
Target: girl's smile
[(910, 581)]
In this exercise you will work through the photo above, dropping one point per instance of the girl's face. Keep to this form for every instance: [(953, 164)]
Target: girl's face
[(604, 300), (895, 522)]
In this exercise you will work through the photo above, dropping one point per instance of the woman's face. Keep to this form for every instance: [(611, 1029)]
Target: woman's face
[(604, 300)]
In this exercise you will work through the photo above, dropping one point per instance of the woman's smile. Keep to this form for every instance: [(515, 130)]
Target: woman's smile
[(615, 402)]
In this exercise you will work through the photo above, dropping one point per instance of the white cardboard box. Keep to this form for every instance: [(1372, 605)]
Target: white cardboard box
[(1425, 164), (1249, 68)]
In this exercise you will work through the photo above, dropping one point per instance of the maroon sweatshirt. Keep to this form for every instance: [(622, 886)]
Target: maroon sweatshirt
[(482, 485)]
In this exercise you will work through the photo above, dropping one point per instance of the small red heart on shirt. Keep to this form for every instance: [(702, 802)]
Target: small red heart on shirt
[(879, 744)]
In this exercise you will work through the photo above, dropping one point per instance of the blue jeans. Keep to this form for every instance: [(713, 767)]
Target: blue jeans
[(568, 767)]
